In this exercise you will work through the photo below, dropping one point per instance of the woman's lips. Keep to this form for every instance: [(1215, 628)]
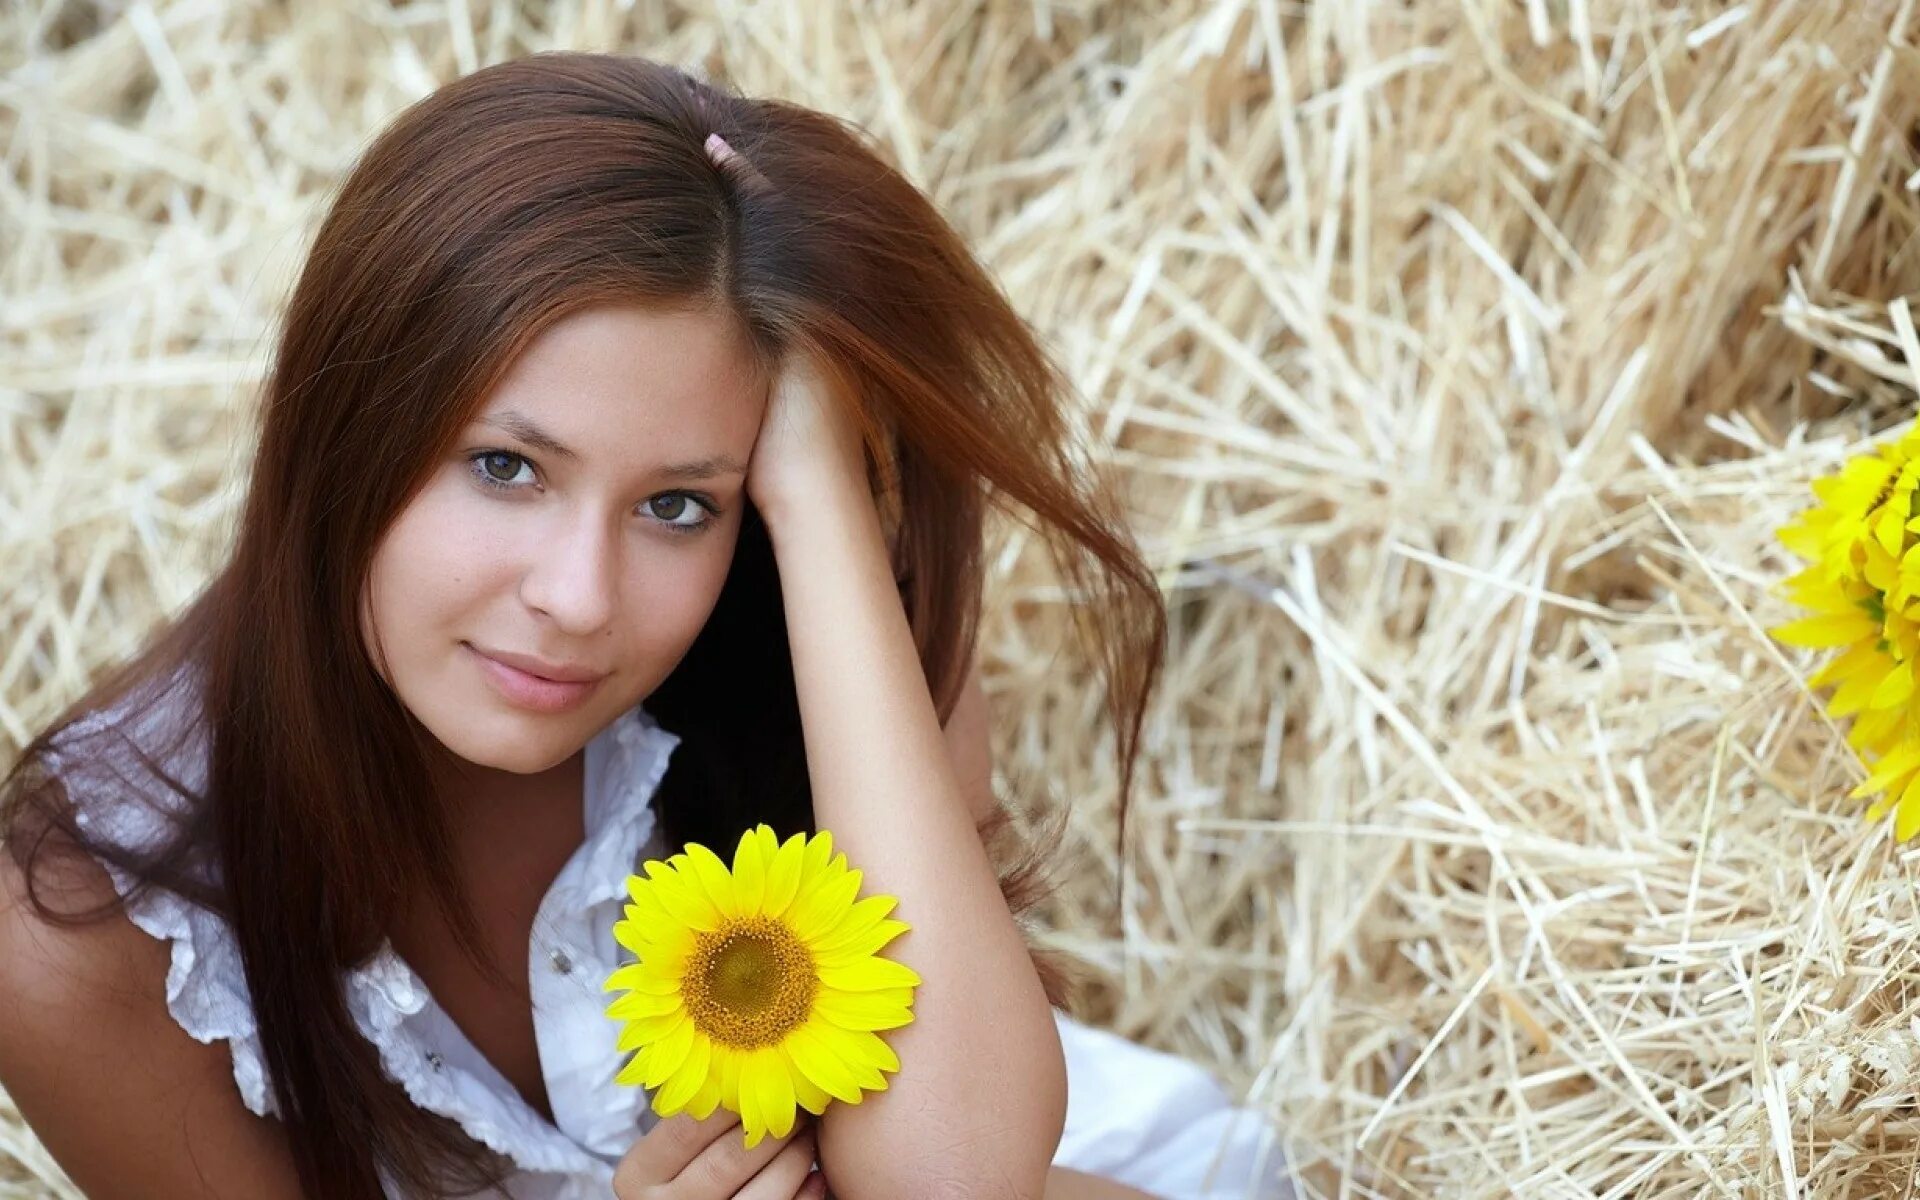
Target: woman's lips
[(530, 691)]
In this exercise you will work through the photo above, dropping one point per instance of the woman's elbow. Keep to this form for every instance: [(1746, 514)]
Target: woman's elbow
[(1014, 1162)]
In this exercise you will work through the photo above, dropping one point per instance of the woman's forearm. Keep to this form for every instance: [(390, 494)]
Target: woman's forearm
[(979, 1102)]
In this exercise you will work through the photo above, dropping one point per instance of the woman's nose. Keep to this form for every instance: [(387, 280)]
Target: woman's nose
[(574, 576)]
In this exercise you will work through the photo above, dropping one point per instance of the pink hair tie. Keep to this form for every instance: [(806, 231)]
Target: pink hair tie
[(733, 165)]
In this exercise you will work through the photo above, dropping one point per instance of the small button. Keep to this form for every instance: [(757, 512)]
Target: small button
[(561, 962), (433, 1059)]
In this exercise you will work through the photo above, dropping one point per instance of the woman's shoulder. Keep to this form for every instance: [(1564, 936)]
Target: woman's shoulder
[(90, 1051), (50, 882), (55, 969), (130, 774)]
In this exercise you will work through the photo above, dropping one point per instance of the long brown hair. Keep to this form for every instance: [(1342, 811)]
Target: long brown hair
[(492, 207)]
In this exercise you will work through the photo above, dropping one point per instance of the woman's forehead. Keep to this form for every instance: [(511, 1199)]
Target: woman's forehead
[(678, 385)]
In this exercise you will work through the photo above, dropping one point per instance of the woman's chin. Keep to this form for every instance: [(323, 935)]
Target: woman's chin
[(517, 753)]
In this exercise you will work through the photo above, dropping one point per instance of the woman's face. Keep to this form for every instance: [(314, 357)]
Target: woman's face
[(583, 523)]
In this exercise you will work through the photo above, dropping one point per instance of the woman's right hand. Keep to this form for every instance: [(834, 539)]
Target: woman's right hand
[(682, 1158)]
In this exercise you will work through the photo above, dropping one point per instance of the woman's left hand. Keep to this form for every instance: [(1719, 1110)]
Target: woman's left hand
[(809, 440), (809, 437)]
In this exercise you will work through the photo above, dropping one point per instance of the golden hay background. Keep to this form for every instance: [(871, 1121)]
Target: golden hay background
[(1459, 359)]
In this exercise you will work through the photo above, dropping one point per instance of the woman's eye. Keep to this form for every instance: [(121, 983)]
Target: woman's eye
[(681, 512), (498, 468), (678, 504)]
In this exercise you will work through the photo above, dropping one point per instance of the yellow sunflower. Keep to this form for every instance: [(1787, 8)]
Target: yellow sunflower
[(758, 988), (1863, 589)]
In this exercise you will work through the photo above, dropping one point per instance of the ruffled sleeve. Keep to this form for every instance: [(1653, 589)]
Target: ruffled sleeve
[(120, 801), (206, 985)]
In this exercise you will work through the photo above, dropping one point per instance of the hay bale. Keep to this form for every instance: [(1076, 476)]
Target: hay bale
[(1458, 359)]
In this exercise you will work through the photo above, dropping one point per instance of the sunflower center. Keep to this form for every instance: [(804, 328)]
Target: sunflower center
[(748, 984)]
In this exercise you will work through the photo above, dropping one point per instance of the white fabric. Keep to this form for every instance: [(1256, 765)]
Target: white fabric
[(1149, 1119)]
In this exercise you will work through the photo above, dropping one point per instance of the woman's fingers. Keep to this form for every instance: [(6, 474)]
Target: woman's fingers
[(785, 1177), (666, 1150), (725, 1167)]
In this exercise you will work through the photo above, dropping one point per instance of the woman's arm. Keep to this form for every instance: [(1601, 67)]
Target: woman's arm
[(127, 1102), (979, 1103)]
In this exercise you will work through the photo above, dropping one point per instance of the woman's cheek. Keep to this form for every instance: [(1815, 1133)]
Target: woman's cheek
[(476, 534), (692, 585)]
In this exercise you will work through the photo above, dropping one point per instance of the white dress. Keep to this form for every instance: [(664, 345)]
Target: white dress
[(1146, 1118)]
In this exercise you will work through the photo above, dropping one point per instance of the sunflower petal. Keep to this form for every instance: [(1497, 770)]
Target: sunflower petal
[(1852, 696), (663, 949), (630, 1074), (666, 1055), (729, 1077), (647, 1030), (806, 1093), (854, 1054), (817, 912), (750, 872), (642, 977), (705, 1100), (640, 886), (769, 842), (1906, 820), (1827, 631), (646, 908), (751, 1118), (686, 1081), (857, 1053), (714, 880), (861, 917), (1861, 658), (1896, 688), (637, 1005), (860, 1011), (862, 945), (627, 978), (813, 1052), (686, 901), (783, 875), (878, 1052), (866, 974), (1903, 759), (819, 855), (764, 1073)]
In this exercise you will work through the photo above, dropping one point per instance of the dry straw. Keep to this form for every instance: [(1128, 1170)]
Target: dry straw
[(1458, 358)]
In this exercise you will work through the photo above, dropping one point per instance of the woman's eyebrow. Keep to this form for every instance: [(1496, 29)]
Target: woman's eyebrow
[(518, 424), (703, 468), (521, 426)]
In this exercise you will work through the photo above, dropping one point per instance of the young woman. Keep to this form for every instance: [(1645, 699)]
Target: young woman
[(576, 409)]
